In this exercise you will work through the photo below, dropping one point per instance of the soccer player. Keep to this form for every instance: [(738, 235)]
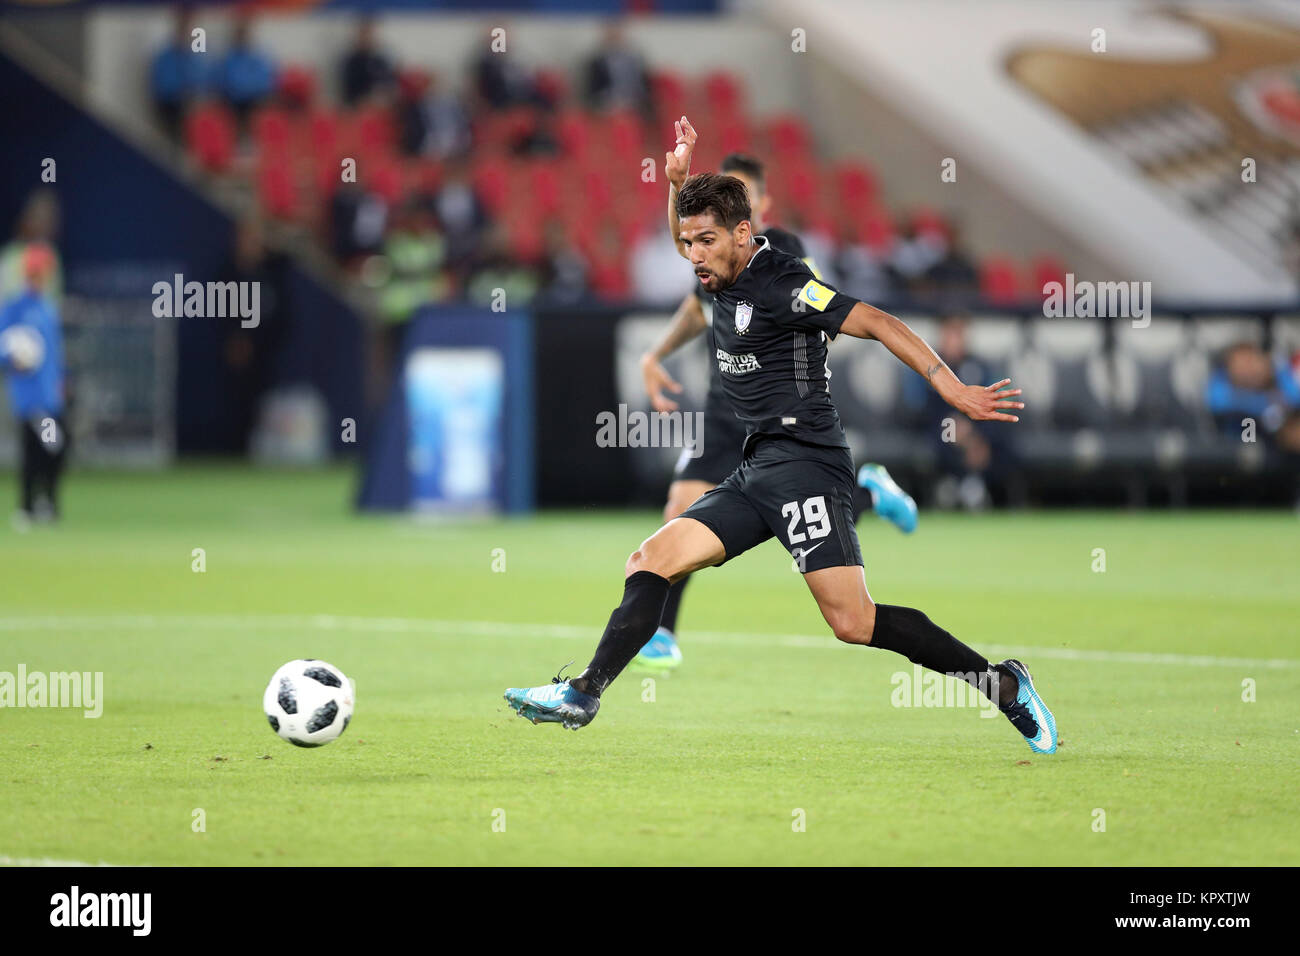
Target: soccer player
[(31, 355), (771, 321), (723, 433)]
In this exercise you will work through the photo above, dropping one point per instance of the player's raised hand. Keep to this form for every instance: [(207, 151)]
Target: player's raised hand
[(656, 380), (677, 164), (986, 403)]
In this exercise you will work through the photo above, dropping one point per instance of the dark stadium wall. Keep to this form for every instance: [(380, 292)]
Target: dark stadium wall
[(149, 226)]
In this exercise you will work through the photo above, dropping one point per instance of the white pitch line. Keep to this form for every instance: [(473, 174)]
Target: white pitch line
[(43, 861), (408, 625)]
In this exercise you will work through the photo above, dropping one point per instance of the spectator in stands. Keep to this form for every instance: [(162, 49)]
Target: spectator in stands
[(38, 223), (434, 122), (177, 75), (31, 357), (954, 276), (499, 79), (863, 269), (915, 253), (245, 77), (358, 221), (972, 457), (617, 77), (251, 355), (461, 215), (564, 269), (656, 269), (414, 255), (496, 277), (366, 70), (1248, 384)]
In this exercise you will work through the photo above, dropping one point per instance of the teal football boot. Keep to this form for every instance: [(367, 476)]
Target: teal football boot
[(557, 702), (660, 652), (888, 500)]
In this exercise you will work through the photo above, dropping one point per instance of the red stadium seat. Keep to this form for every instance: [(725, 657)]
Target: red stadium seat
[(930, 222), (788, 136), (1045, 269), (999, 281), (491, 179), (296, 86), (875, 230), (854, 184), (273, 131), (210, 137), (734, 135), (622, 133), (723, 94), (574, 130), (372, 133), (546, 185), (668, 92), (552, 85), (276, 190), (385, 180)]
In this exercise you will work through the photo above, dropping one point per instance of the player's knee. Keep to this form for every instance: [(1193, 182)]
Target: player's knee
[(855, 626), (646, 558)]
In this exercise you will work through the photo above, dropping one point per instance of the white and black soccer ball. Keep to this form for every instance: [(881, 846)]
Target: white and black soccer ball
[(23, 347), (308, 702)]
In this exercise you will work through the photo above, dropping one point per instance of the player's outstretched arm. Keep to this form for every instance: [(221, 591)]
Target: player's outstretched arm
[(688, 322), (981, 403), (677, 166)]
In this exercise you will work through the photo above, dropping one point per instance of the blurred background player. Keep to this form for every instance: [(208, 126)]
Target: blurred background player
[(31, 349), (723, 434)]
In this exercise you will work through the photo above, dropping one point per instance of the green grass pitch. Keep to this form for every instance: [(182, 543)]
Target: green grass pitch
[(769, 724)]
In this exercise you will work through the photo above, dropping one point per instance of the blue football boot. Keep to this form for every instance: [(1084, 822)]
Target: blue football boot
[(660, 652), (1028, 714), (557, 702), (888, 500)]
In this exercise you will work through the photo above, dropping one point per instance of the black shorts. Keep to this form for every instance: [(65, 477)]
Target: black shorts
[(722, 437), (799, 493)]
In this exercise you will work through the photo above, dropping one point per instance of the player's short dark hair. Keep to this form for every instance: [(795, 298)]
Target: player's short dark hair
[(746, 165), (725, 196)]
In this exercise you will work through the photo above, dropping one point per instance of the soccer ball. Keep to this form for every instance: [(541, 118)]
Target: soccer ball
[(23, 346), (308, 702)]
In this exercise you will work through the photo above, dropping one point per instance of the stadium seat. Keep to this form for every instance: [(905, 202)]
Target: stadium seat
[(724, 94), (1158, 375), (272, 131), (1000, 282), (573, 128), (995, 339), (491, 179), (854, 184), (1076, 392), (668, 93), (788, 136), (276, 191), (210, 137), (1213, 335), (546, 185)]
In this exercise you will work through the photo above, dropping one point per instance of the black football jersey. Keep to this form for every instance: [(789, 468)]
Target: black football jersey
[(769, 335), (781, 240)]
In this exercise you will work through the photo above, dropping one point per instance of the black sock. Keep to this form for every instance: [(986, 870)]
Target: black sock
[(669, 620), (630, 626), (907, 631)]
